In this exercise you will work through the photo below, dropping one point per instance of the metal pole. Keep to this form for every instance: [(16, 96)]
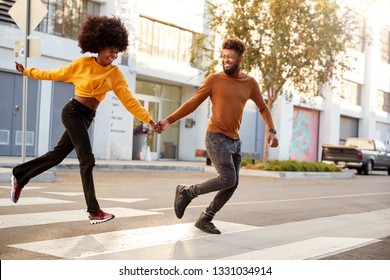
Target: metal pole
[(25, 82)]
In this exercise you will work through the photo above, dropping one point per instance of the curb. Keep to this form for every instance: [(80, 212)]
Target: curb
[(138, 167), (292, 175), (45, 177), (50, 176)]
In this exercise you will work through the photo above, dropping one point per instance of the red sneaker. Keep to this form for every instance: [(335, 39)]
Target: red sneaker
[(100, 217), (15, 189)]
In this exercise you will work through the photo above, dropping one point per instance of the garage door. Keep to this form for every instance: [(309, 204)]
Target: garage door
[(349, 127), (11, 108)]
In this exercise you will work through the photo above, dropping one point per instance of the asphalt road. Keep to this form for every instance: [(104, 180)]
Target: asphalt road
[(268, 218)]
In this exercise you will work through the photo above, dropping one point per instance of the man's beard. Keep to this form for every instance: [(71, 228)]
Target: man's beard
[(231, 70)]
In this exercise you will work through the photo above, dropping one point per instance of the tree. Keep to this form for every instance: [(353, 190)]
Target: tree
[(295, 45)]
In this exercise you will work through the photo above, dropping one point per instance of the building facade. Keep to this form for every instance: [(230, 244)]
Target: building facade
[(162, 75), (358, 106)]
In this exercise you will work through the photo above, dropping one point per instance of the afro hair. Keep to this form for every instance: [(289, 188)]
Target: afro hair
[(99, 32), (234, 44)]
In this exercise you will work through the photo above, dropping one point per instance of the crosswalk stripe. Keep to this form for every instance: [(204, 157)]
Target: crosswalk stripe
[(24, 189), (43, 200), (117, 241), (32, 201), (66, 193), (306, 249), (31, 219), (125, 200)]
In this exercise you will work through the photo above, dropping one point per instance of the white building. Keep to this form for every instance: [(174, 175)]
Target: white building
[(359, 106), (161, 76)]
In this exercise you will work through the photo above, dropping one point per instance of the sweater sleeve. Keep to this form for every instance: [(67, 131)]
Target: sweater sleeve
[(262, 106), (194, 102), (121, 90), (63, 74)]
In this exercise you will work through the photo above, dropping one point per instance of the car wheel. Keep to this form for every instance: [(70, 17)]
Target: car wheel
[(388, 171), (367, 169)]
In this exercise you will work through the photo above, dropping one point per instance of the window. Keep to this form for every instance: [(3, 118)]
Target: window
[(383, 101), (164, 91), (359, 27), (65, 17), (5, 5), (351, 92), (385, 45), (165, 41)]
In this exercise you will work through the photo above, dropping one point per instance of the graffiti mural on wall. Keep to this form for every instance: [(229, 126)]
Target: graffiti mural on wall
[(304, 142)]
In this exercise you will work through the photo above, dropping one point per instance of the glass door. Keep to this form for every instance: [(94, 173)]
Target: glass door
[(152, 140), (161, 100), (144, 133)]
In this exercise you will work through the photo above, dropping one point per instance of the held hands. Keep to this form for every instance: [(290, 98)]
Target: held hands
[(163, 124), (155, 127), (159, 126), (19, 67)]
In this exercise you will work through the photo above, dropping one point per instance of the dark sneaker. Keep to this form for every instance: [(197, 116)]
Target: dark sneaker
[(182, 199), (15, 189), (204, 223), (100, 217)]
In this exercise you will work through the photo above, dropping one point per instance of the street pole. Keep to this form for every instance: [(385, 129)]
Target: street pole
[(25, 82)]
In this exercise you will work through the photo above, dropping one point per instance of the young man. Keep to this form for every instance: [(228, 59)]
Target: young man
[(229, 91)]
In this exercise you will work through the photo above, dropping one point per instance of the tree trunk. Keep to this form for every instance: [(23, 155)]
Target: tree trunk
[(270, 101)]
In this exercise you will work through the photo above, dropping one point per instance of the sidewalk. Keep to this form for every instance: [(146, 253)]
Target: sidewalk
[(7, 163)]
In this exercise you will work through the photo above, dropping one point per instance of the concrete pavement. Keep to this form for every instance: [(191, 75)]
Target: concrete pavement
[(266, 219)]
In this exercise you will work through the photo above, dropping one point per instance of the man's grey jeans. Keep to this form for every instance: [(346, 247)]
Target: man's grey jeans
[(225, 154)]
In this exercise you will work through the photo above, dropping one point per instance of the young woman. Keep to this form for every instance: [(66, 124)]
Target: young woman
[(92, 77)]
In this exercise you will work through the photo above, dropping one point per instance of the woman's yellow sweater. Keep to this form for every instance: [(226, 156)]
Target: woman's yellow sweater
[(93, 80)]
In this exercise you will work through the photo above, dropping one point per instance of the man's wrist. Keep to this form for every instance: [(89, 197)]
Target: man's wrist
[(272, 130)]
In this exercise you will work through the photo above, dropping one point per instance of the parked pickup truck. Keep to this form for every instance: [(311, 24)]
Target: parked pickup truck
[(361, 154)]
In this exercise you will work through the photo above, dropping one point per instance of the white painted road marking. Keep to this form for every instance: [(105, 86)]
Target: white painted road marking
[(66, 193), (32, 201), (125, 200), (306, 249), (24, 189), (117, 241), (31, 219), (29, 188), (283, 200)]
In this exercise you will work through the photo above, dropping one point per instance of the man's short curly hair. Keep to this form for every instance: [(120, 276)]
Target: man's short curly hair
[(99, 32), (234, 44)]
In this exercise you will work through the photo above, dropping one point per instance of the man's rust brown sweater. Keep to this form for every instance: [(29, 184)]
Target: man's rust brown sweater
[(228, 94)]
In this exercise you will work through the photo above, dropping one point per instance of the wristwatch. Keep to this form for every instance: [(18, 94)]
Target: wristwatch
[(272, 130)]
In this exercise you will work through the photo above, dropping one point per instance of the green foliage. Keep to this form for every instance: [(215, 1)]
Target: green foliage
[(294, 47), (299, 43), (289, 165)]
